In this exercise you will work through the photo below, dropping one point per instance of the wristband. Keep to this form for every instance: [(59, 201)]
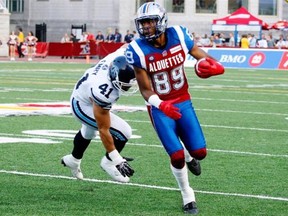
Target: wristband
[(154, 100)]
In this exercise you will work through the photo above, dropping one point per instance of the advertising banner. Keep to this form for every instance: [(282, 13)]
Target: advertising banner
[(251, 58)]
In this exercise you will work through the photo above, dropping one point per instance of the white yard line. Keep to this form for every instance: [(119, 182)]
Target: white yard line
[(285, 199), (58, 139)]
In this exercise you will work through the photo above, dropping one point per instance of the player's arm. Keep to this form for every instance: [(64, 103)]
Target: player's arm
[(143, 81), (152, 98), (102, 117), (206, 66)]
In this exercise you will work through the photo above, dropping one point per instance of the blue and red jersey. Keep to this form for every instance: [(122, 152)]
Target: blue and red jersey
[(164, 65)]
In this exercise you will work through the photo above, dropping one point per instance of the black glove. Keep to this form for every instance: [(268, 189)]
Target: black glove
[(125, 169)]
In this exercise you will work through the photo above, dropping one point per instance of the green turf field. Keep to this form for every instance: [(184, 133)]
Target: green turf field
[(244, 115)]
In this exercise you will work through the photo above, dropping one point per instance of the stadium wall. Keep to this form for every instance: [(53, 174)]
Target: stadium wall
[(59, 16), (4, 30)]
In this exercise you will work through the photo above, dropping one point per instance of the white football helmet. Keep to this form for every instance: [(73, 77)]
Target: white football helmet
[(151, 11), (122, 76)]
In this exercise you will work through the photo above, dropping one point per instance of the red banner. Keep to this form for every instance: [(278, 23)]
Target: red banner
[(41, 49), (60, 49), (75, 49), (104, 48)]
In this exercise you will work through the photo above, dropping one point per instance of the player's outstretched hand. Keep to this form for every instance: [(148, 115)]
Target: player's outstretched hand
[(125, 169), (207, 67), (169, 109)]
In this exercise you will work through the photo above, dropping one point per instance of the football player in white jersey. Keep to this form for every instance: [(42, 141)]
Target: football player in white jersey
[(158, 59), (92, 98)]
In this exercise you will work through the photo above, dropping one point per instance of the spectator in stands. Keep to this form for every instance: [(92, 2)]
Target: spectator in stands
[(12, 43), (262, 43), (244, 42), (212, 43), (271, 41), (66, 39), (197, 40), (238, 40), (217, 41), (31, 44), (205, 41), (135, 35), (110, 36), (128, 37), (222, 38), (73, 38), (286, 46), (231, 42), (252, 40), (281, 43), (90, 37), (83, 37), (99, 37), (21, 39), (117, 36)]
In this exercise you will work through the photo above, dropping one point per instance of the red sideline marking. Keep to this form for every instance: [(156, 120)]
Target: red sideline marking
[(45, 105)]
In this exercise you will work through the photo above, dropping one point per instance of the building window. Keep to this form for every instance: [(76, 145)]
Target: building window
[(267, 7), (15, 6), (206, 6), (233, 5), (174, 6)]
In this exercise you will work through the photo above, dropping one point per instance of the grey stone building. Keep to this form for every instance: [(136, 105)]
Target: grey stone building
[(61, 16)]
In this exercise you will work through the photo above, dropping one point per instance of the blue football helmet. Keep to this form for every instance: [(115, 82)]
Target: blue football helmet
[(151, 11), (122, 75)]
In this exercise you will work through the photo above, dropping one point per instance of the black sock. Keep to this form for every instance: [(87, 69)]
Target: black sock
[(80, 145)]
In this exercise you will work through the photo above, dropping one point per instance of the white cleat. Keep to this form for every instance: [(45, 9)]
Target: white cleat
[(74, 165), (110, 167)]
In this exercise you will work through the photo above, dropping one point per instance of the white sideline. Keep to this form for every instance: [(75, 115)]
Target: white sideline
[(146, 186)]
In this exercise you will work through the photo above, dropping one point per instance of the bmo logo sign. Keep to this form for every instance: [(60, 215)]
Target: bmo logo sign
[(233, 59), (256, 59)]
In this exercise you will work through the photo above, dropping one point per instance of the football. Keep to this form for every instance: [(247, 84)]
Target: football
[(200, 65), (207, 67)]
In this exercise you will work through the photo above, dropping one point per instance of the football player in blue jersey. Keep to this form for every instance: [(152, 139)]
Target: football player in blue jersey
[(92, 98), (158, 59)]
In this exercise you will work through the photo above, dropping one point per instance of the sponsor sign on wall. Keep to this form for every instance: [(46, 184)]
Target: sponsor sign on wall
[(247, 58), (251, 58)]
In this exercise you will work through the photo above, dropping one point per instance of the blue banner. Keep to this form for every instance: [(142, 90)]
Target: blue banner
[(249, 58)]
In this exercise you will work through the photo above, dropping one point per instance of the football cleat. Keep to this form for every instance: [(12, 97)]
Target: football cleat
[(74, 165), (190, 208), (194, 167), (110, 168), (128, 158)]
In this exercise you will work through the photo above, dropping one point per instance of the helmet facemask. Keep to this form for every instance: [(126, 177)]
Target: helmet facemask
[(151, 12), (122, 76)]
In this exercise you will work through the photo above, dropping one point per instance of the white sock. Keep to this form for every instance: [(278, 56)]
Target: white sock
[(188, 157), (75, 159), (181, 176)]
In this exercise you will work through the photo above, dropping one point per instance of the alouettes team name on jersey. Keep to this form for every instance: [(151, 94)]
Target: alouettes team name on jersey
[(168, 62)]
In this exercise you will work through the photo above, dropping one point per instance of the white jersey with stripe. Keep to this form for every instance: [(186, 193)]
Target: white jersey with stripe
[(95, 84)]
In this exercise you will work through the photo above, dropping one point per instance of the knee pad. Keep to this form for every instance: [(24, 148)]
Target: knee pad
[(88, 132), (199, 154), (178, 159)]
